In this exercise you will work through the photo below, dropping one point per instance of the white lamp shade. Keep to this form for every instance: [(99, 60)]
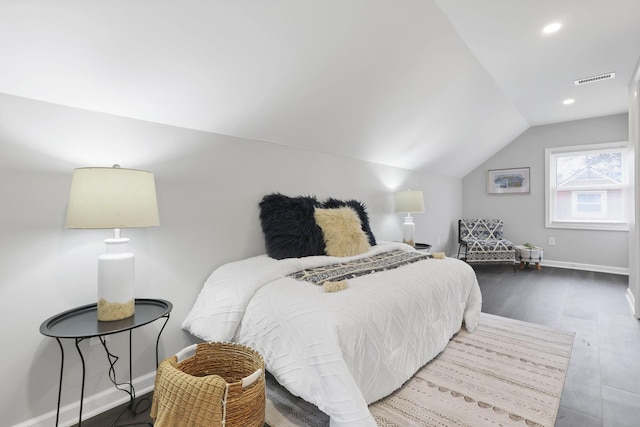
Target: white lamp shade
[(409, 201), (112, 198)]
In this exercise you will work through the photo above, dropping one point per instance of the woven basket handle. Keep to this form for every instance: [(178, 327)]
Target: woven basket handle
[(186, 352), (250, 379)]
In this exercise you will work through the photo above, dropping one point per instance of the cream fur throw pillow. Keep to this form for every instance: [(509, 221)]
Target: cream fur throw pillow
[(342, 231)]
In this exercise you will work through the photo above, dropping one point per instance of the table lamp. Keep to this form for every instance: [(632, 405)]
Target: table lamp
[(113, 198), (409, 202)]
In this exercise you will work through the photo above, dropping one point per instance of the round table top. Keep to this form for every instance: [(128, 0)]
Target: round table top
[(82, 322)]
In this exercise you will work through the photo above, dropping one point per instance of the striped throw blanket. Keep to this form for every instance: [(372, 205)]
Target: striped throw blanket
[(359, 267)]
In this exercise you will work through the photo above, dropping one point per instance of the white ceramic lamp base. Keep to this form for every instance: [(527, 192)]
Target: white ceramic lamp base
[(116, 278), (408, 231)]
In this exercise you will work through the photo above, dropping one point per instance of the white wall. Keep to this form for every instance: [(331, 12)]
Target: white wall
[(208, 188), (523, 214), (634, 236)]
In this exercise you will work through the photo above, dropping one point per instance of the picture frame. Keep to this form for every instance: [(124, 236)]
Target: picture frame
[(507, 181)]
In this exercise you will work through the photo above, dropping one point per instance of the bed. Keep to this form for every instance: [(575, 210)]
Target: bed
[(340, 350)]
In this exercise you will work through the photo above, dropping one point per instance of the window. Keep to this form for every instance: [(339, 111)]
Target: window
[(589, 204), (588, 186)]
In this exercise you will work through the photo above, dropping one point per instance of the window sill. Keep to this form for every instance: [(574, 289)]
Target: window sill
[(588, 226)]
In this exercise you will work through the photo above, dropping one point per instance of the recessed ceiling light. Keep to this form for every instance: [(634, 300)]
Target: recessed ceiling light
[(568, 101), (552, 28)]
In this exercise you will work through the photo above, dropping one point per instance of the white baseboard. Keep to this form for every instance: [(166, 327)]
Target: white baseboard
[(586, 267), (92, 405)]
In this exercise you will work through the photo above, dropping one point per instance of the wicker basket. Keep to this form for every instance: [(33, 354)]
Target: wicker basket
[(210, 384)]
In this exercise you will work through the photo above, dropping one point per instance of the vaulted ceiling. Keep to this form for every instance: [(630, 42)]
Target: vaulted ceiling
[(436, 86)]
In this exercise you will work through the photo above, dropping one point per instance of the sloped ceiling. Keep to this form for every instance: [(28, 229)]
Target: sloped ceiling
[(434, 86)]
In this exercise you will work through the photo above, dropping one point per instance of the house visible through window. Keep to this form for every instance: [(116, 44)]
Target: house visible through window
[(589, 204), (587, 186)]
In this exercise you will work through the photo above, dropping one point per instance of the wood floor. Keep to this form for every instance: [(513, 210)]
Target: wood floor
[(602, 387), (122, 416), (603, 382)]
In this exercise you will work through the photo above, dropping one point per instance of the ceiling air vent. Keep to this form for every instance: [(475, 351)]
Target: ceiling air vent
[(594, 79)]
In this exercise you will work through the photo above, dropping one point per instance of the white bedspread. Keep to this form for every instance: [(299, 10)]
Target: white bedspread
[(343, 350)]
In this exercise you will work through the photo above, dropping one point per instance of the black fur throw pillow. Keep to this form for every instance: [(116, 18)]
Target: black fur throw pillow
[(360, 209), (289, 227)]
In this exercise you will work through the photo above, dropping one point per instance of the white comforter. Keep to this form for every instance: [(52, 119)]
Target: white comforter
[(343, 350)]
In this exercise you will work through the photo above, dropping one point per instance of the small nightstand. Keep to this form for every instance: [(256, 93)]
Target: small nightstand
[(423, 247), (82, 323)]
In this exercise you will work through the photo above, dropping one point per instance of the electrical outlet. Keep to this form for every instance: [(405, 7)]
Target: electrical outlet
[(552, 241), (438, 241)]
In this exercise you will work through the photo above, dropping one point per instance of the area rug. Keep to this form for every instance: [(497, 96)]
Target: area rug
[(506, 373)]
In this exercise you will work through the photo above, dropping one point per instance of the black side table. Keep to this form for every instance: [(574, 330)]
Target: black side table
[(82, 323), (423, 247)]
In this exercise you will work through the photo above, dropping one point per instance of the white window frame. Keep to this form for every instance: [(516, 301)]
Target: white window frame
[(585, 223)]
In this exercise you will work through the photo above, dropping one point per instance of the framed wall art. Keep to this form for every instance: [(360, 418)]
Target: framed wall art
[(503, 181)]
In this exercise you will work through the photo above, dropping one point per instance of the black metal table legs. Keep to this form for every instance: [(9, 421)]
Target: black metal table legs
[(60, 385), (112, 373)]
